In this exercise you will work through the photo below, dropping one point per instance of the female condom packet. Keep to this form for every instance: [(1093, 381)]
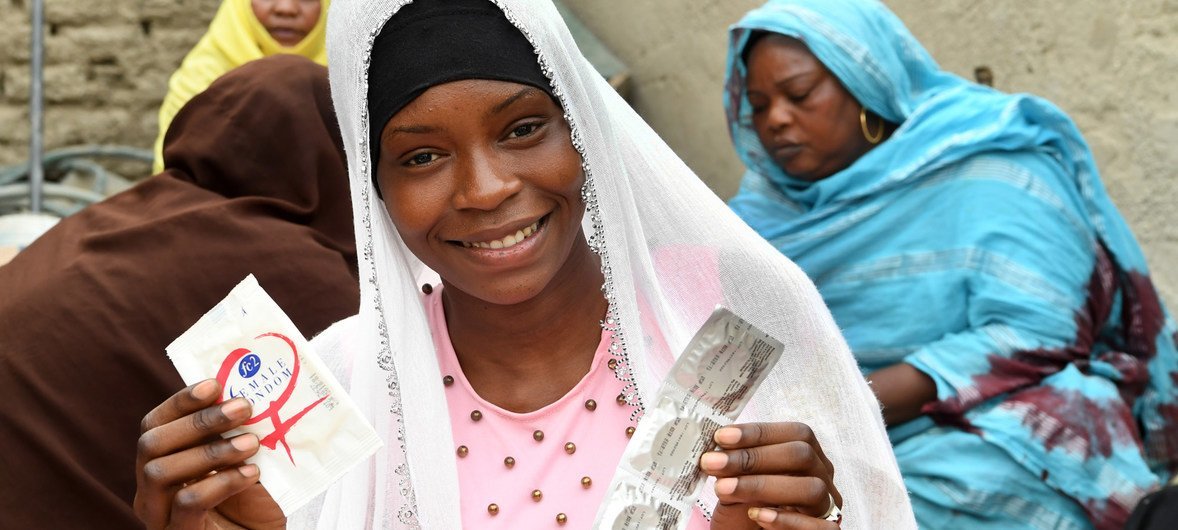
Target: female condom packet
[(658, 478), (311, 432)]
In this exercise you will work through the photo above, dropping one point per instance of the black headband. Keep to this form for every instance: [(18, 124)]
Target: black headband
[(431, 42)]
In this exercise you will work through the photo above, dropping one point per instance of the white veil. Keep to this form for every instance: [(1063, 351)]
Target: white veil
[(670, 249)]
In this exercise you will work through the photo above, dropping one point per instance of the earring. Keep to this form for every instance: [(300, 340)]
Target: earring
[(871, 138)]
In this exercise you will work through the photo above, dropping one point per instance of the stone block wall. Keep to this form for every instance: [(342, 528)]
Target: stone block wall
[(107, 65)]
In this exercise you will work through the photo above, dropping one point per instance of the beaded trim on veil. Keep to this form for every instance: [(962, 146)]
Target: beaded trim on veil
[(407, 511)]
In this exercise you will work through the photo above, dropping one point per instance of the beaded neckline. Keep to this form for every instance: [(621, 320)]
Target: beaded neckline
[(446, 349)]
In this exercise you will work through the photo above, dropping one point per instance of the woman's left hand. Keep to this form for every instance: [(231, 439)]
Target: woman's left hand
[(771, 475)]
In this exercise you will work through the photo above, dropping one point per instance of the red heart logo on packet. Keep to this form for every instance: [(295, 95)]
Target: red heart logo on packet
[(257, 375)]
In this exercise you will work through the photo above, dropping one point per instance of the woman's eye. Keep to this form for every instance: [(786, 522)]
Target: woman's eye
[(421, 159), (798, 98), (523, 130)]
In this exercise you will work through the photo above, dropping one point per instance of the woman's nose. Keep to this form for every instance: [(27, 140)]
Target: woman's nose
[(286, 7), (781, 115), (485, 183)]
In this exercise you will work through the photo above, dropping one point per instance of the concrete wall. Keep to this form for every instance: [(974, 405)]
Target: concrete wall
[(1112, 65)]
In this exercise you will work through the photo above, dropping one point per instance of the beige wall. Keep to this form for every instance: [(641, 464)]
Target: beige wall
[(1112, 65)]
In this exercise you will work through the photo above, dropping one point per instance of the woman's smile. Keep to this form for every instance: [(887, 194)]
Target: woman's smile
[(519, 247)]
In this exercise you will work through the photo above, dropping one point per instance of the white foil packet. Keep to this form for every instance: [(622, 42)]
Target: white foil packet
[(311, 431), (658, 478)]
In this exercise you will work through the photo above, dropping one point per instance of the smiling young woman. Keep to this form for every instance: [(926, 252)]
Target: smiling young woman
[(577, 256), (483, 184)]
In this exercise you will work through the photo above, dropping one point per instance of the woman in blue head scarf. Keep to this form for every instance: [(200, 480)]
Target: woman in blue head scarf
[(988, 286)]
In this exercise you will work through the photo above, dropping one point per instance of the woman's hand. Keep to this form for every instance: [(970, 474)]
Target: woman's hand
[(771, 475), (188, 477)]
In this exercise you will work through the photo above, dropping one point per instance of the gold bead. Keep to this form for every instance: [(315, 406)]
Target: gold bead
[(591, 404), (493, 509), (570, 448), (612, 364), (561, 518), (463, 451), (537, 495), (621, 399), (476, 415), (427, 288), (629, 432), (509, 462), (538, 435), (448, 380), (586, 482)]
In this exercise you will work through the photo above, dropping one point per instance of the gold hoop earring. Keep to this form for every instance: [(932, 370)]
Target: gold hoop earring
[(871, 138)]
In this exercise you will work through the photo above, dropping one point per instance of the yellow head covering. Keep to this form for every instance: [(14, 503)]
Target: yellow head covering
[(235, 37)]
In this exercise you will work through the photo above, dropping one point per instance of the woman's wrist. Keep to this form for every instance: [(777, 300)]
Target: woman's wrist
[(902, 390)]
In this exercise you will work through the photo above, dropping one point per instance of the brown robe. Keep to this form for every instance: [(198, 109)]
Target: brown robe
[(255, 183)]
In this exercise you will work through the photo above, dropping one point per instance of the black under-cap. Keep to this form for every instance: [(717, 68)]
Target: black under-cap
[(430, 42)]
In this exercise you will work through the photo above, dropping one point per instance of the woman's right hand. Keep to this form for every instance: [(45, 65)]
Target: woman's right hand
[(188, 477)]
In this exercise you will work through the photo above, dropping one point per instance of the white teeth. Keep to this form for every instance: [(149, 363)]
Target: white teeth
[(508, 241)]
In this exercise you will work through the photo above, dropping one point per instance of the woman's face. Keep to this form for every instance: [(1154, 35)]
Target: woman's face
[(288, 21), (483, 184), (807, 122)]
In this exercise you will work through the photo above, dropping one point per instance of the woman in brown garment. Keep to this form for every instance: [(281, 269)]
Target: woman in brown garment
[(254, 183)]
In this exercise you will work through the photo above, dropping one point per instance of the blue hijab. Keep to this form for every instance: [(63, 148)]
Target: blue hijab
[(978, 244)]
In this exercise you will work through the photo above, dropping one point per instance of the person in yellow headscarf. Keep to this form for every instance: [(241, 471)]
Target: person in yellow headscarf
[(242, 31)]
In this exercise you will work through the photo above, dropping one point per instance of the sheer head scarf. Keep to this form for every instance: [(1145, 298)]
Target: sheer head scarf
[(668, 245), (235, 37)]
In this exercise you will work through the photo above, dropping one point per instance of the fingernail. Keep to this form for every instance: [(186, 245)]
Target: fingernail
[(204, 389), (244, 442), (235, 408), (713, 461), (727, 436), (725, 486), (249, 470), (762, 515)]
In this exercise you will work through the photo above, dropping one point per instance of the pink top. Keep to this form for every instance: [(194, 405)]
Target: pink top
[(549, 468)]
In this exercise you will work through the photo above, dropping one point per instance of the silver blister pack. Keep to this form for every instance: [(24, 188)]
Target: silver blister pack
[(658, 478)]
